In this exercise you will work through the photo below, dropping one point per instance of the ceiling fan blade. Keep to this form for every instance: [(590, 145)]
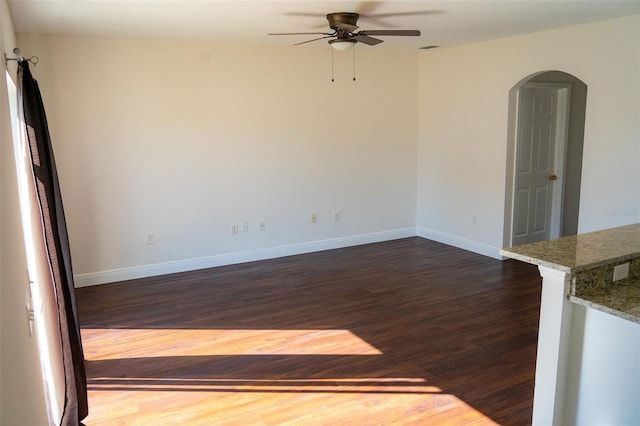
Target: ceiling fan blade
[(327, 34), (311, 15), (306, 14), (409, 13), (390, 32), (379, 19), (366, 39), (313, 39)]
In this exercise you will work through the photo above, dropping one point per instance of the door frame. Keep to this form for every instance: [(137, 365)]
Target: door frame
[(561, 136)]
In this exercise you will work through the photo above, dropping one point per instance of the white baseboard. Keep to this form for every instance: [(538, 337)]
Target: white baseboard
[(474, 246), (122, 274)]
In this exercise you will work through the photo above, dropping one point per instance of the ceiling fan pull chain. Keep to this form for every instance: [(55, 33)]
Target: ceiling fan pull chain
[(332, 76), (354, 63)]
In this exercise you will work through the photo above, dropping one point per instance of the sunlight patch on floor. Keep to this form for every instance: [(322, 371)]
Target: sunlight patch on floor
[(129, 343), (339, 385), (136, 407)]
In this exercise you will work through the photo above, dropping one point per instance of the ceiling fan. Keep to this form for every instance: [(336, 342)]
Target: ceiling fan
[(344, 35)]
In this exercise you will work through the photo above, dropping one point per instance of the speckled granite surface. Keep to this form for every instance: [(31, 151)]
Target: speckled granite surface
[(590, 259), (596, 289), (580, 252), (621, 300), (601, 277)]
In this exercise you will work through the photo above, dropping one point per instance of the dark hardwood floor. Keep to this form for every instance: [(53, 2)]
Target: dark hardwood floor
[(406, 332)]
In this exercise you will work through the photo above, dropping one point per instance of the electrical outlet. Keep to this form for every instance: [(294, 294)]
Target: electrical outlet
[(314, 218), (151, 238), (336, 215), (621, 272), (234, 229), (474, 220), (244, 226), (263, 225)]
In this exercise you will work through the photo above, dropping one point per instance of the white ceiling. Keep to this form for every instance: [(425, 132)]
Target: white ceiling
[(443, 23)]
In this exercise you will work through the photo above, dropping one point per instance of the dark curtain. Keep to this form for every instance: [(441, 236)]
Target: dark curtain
[(57, 246)]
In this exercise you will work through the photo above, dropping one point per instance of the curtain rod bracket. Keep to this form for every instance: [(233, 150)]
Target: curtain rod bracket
[(34, 59)]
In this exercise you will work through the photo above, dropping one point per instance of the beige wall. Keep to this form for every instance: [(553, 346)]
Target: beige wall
[(21, 389), (184, 139), (462, 138)]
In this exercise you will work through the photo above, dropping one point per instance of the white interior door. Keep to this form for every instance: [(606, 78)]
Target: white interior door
[(539, 160)]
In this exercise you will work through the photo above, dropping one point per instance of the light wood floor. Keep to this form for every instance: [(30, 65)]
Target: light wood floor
[(407, 332)]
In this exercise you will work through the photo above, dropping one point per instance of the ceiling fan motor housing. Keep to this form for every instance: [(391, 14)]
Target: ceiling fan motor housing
[(336, 19)]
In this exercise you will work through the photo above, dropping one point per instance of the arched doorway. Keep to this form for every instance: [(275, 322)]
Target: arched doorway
[(544, 206)]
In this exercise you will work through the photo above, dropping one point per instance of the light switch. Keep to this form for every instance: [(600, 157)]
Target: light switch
[(621, 272)]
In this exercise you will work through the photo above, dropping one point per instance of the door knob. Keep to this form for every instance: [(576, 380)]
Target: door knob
[(553, 177)]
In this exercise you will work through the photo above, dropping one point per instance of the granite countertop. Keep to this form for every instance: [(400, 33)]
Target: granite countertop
[(590, 259), (596, 289), (621, 300), (579, 252)]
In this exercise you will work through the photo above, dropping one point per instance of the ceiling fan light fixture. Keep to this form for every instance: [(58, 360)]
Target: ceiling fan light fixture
[(342, 44)]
